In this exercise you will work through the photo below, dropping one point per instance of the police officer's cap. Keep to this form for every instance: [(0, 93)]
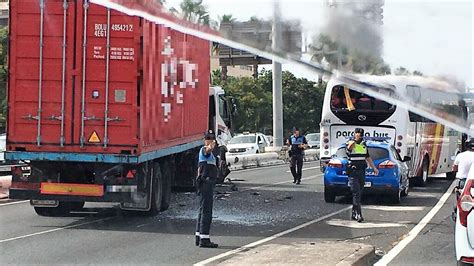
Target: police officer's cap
[(209, 135), (359, 130)]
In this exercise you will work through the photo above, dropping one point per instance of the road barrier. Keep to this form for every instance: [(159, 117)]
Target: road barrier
[(239, 162)]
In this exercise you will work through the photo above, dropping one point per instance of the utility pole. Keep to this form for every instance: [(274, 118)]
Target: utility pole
[(277, 83)]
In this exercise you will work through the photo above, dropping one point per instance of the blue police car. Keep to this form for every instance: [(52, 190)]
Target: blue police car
[(392, 179)]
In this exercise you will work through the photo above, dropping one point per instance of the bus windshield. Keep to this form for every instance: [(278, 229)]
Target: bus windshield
[(356, 108)]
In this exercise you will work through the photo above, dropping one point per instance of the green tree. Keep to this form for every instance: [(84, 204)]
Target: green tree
[(194, 11), (302, 101)]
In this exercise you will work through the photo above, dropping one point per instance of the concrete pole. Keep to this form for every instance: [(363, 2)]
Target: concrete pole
[(277, 84)]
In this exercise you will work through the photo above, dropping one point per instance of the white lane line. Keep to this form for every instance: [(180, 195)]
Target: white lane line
[(262, 241), (15, 202), (53, 230), (309, 168), (365, 225), (395, 208), (416, 230), (282, 182), (269, 167)]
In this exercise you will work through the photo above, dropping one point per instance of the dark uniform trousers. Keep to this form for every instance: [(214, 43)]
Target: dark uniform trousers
[(206, 192), (357, 179), (296, 165)]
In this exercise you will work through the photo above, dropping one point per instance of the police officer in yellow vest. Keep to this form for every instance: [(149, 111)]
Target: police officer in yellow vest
[(358, 159)]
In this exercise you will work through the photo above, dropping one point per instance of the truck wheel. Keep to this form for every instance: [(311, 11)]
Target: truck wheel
[(423, 178), (156, 191), (329, 195), (167, 171)]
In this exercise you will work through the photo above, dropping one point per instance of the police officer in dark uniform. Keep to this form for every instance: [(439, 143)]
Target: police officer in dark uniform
[(206, 182), (297, 144), (358, 159)]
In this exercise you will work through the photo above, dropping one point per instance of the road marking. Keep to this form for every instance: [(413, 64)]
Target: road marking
[(423, 195), (309, 168), (269, 167), (417, 229), (395, 208), (262, 241), (365, 225), (53, 230), (282, 182), (15, 202)]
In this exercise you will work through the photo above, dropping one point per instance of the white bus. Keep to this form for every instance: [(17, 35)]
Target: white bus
[(430, 145)]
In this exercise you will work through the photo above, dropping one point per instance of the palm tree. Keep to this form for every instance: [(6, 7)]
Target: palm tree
[(226, 18), (194, 11)]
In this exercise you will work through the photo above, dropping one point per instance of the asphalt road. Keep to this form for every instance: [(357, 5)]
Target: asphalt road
[(265, 203)]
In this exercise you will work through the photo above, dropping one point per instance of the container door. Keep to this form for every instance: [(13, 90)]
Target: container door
[(106, 106), (41, 62)]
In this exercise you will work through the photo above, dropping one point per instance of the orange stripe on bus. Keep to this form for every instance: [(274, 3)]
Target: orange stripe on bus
[(435, 150), (72, 189)]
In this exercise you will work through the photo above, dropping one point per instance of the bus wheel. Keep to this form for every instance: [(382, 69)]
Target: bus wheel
[(423, 178), (329, 195), (450, 175)]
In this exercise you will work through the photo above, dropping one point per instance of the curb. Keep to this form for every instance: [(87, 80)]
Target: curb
[(362, 257)]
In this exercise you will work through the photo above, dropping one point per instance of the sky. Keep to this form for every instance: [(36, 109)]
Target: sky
[(432, 36)]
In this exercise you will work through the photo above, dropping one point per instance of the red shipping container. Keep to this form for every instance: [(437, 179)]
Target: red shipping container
[(85, 79)]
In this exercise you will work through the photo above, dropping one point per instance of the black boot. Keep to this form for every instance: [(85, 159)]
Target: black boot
[(206, 243), (198, 239), (294, 181), (360, 219)]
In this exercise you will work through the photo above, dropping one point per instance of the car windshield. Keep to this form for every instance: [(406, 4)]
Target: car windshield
[(242, 139), (312, 137), (374, 152)]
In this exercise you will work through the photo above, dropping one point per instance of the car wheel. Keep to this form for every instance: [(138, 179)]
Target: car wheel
[(461, 263), (423, 178), (395, 196), (329, 195)]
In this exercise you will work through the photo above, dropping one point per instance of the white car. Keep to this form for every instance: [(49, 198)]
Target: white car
[(464, 231), (313, 140), (247, 144)]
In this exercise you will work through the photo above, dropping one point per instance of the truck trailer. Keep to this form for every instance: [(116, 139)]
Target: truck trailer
[(106, 107)]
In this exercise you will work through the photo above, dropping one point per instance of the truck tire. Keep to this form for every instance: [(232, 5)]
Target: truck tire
[(329, 195), (167, 174), (423, 178), (156, 191)]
